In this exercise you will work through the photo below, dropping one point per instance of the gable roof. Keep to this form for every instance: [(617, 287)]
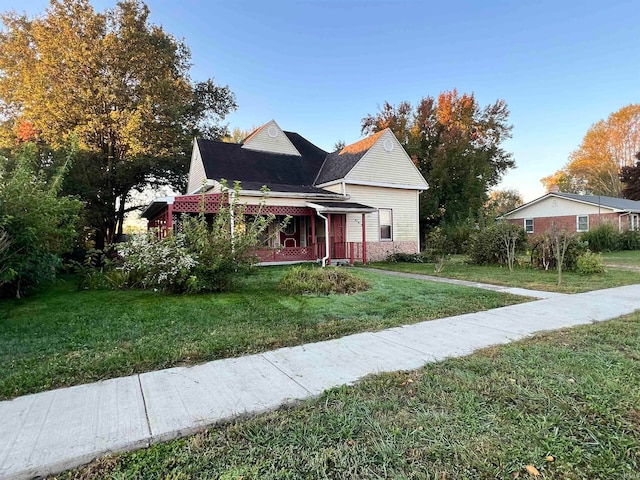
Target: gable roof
[(612, 202), (338, 164), (619, 204), (270, 138), (268, 162), (256, 168)]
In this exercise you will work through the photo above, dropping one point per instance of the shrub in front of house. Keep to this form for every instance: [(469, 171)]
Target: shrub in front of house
[(589, 263), (166, 264), (323, 281), (542, 252), (401, 257), (602, 238), (488, 245), (630, 240)]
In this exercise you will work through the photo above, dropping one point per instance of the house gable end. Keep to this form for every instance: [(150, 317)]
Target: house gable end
[(387, 162), (197, 174), (557, 206), (270, 138)]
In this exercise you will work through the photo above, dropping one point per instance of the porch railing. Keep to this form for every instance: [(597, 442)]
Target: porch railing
[(351, 251)]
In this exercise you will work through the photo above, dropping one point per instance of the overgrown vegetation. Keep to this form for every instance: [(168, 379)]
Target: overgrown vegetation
[(207, 253), (37, 225), (603, 238), (607, 238), (62, 336), (565, 403), (497, 244), (543, 250), (523, 276), (589, 263), (321, 281)]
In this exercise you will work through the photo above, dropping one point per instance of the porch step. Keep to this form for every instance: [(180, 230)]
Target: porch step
[(339, 261)]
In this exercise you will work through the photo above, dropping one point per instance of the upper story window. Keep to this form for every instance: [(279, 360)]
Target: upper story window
[(385, 219), (528, 225), (582, 223)]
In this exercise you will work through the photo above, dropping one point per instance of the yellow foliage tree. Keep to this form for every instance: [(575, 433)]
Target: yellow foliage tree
[(594, 167), (118, 84)]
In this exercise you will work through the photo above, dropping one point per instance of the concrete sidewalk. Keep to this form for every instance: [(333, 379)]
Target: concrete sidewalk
[(52, 431)]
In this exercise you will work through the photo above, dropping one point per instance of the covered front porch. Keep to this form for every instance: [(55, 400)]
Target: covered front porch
[(316, 232)]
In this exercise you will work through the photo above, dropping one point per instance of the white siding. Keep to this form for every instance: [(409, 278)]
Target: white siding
[(262, 141), (381, 166), (197, 175), (404, 204), (557, 207)]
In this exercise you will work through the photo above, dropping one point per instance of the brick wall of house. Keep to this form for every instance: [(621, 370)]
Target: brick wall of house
[(569, 222), (377, 251)]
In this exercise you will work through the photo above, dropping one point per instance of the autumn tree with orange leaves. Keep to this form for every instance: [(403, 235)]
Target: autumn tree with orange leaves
[(118, 84), (457, 146), (608, 146)]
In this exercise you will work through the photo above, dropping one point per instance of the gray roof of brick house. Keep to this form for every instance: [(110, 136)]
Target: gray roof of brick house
[(611, 202)]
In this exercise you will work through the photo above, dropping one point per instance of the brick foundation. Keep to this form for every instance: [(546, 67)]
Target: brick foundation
[(377, 251)]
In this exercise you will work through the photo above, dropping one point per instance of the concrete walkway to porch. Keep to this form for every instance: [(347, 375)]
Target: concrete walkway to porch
[(485, 286), (60, 429)]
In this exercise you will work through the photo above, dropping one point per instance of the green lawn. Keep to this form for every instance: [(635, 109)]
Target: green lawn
[(522, 277), (64, 337), (571, 395), (627, 258)]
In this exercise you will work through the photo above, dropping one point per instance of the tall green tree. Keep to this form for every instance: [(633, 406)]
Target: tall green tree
[(457, 146), (118, 83), (607, 147)]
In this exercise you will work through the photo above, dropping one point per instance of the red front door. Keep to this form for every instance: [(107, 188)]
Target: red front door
[(338, 236)]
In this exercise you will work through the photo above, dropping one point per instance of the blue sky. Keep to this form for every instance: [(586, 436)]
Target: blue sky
[(319, 67)]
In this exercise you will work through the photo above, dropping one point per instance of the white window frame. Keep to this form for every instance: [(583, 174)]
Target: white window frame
[(578, 229), (634, 221), (390, 225), (524, 223)]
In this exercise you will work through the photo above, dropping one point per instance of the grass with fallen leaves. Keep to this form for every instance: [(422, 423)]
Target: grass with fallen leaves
[(522, 277), (563, 405), (63, 336)]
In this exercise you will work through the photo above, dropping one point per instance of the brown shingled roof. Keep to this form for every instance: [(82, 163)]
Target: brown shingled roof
[(339, 164), (363, 145)]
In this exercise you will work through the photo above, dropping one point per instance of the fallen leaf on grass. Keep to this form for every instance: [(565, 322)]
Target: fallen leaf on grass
[(551, 458), (531, 470)]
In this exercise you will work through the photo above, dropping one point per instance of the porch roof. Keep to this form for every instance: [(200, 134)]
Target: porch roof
[(156, 206), (341, 207)]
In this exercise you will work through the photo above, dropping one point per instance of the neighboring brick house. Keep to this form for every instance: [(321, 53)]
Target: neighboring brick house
[(575, 213), (360, 203)]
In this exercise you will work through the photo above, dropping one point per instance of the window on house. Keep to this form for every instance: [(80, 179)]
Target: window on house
[(633, 221), (528, 225), (582, 223), (385, 218)]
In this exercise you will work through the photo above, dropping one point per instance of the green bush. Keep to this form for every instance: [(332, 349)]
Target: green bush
[(630, 240), (405, 258), (206, 254), (542, 255), (457, 237), (487, 246), (323, 281), (37, 224), (589, 263), (603, 238)]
